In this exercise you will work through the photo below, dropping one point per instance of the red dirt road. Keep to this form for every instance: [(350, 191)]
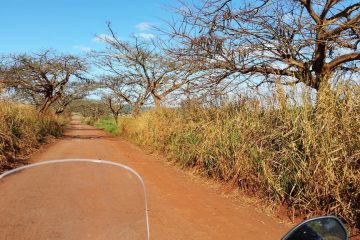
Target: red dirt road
[(179, 207)]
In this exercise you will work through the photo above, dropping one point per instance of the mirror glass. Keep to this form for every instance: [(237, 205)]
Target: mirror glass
[(324, 228)]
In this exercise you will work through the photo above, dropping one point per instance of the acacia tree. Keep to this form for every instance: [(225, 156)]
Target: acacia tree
[(42, 78), (114, 104), (124, 87), (295, 41), (138, 69), (73, 91), (89, 108)]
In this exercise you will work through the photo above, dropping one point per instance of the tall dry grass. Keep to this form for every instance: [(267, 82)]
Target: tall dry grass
[(22, 129), (285, 148)]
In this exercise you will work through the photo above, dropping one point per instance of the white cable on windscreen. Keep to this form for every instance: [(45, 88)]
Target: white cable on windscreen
[(88, 161)]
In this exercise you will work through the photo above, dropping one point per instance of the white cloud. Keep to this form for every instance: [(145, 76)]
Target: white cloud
[(143, 26), (82, 48), (146, 35), (102, 38)]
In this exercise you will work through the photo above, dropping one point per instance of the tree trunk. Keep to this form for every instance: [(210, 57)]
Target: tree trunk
[(45, 106), (60, 111), (157, 101), (116, 116), (135, 110)]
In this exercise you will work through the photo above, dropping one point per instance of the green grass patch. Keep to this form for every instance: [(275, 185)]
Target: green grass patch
[(108, 124)]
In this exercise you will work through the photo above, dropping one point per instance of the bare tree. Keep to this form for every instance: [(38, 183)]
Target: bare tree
[(115, 105), (132, 92), (138, 69), (42, 77), (295, 41), (72, 91), (89, 108)]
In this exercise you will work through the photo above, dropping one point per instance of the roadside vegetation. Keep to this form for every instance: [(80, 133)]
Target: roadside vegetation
[(22, 130), (287, 150), (108, 124)]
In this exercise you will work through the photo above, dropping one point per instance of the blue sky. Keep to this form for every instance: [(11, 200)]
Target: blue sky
[(70, 26)]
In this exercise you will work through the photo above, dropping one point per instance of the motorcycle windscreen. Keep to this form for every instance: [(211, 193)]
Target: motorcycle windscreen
[(73, 199)]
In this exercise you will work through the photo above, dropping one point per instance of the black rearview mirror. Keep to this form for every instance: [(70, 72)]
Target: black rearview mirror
[(320, 228)]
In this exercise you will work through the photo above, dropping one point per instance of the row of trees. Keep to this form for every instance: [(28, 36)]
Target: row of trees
[(209, 43)]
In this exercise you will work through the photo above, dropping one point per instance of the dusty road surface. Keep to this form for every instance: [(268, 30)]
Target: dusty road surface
[(179, 207)]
